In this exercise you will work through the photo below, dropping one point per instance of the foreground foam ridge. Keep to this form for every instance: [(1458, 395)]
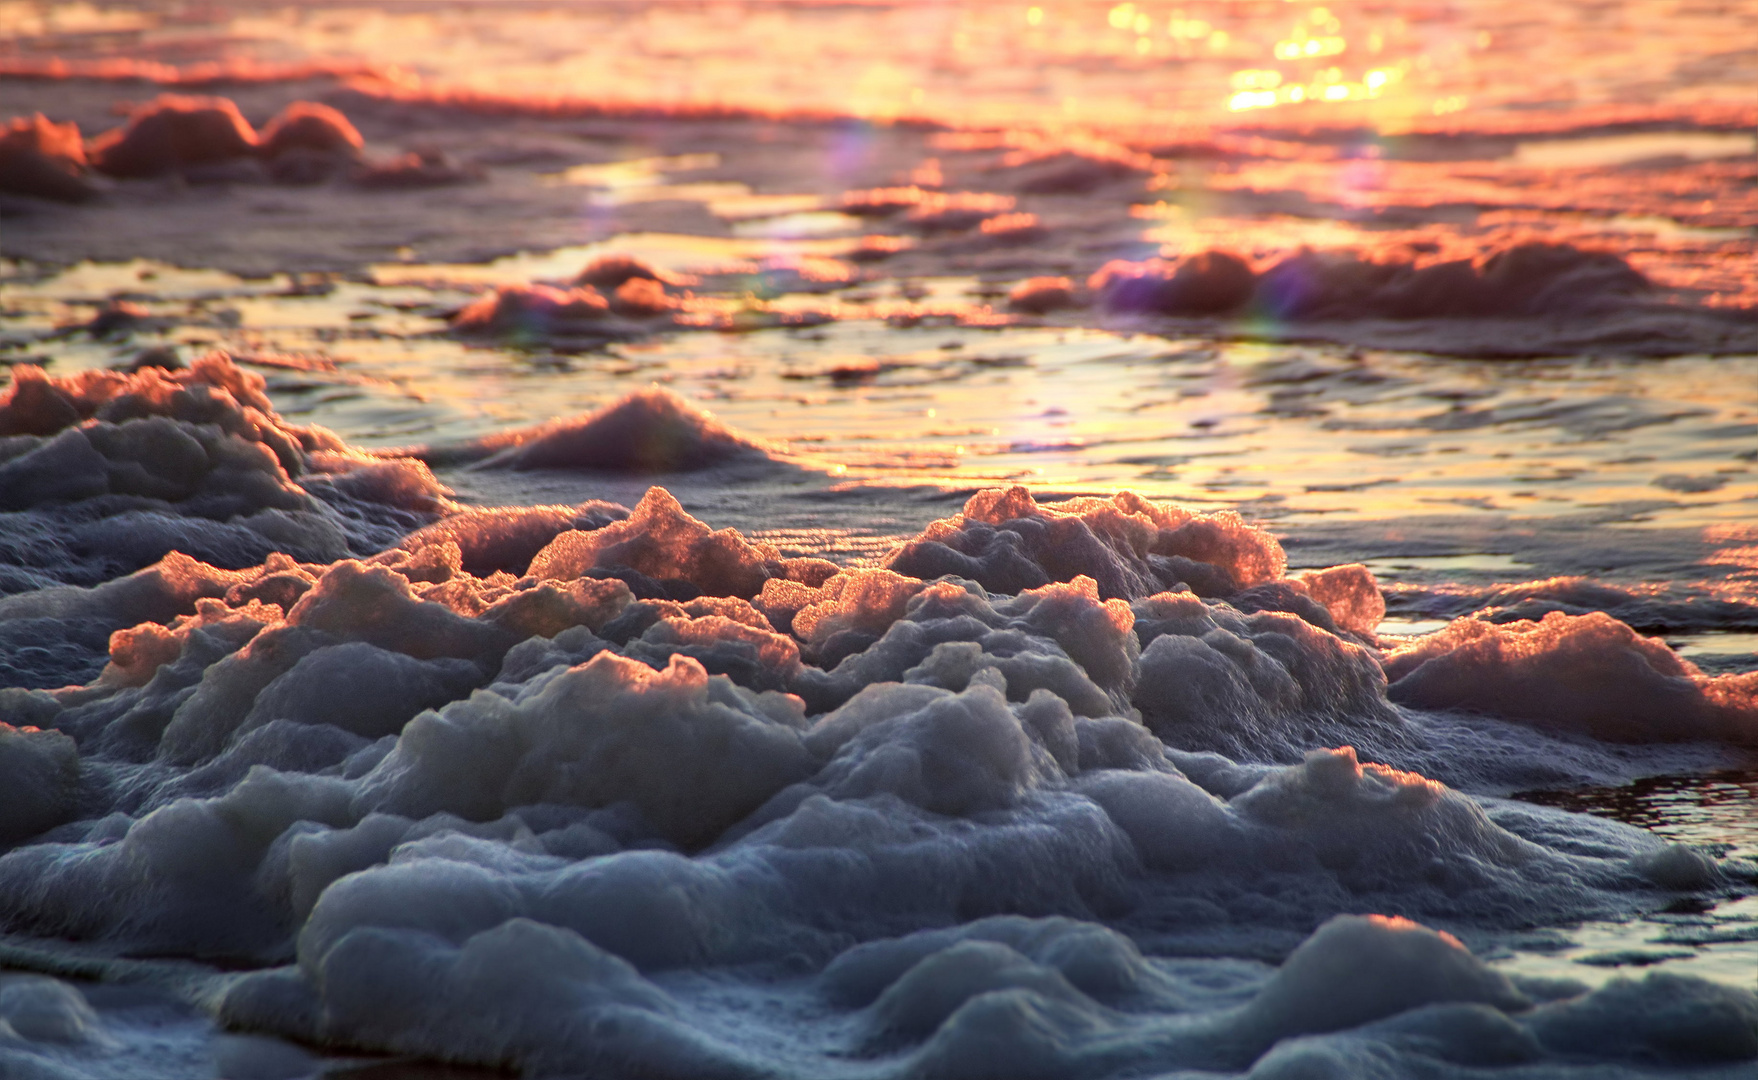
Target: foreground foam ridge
[(1089, 788)]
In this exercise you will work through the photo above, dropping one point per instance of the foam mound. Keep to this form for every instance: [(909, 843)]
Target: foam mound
[(207, 138), (535, 311), (310, 126), (638, 736), (1041, 295), (173, 133), (1258, 685), (646, 431), (205, 437), (308, 143), (573, 316), (1130, 546), (1586, 673), (581, 817), (953, 634), (1526, 281), (1351, 595), (612, 272), (660, 541), (44, 160), (104, 473), (52, 632), (1209, 283), (506, 538)]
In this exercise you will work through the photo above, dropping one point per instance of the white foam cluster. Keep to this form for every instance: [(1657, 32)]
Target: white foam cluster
[(1526, 280), (1129, 545), (659, 540), (1589, 673), (668, 803), (648, 431), (103, 473)]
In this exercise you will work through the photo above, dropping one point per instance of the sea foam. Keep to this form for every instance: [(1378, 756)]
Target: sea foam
[(524, 787)]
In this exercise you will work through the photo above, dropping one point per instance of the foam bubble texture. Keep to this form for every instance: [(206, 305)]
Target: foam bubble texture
[(667, 803)]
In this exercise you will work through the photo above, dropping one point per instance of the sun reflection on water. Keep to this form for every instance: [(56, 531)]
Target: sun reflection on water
[(1121, 67)]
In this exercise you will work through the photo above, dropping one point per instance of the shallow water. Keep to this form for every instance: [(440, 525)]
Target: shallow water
[(1286, 431), (1717, 810), (725, 885)]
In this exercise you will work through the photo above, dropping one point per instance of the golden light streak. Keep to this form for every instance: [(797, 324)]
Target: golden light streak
[(1256, 79), (1265, 88), (1301, 47)]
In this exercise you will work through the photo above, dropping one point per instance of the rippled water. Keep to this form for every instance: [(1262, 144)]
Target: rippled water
[(1279, 430)]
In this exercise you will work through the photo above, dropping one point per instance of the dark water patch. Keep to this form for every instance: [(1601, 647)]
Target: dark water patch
[(1718, 810)]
